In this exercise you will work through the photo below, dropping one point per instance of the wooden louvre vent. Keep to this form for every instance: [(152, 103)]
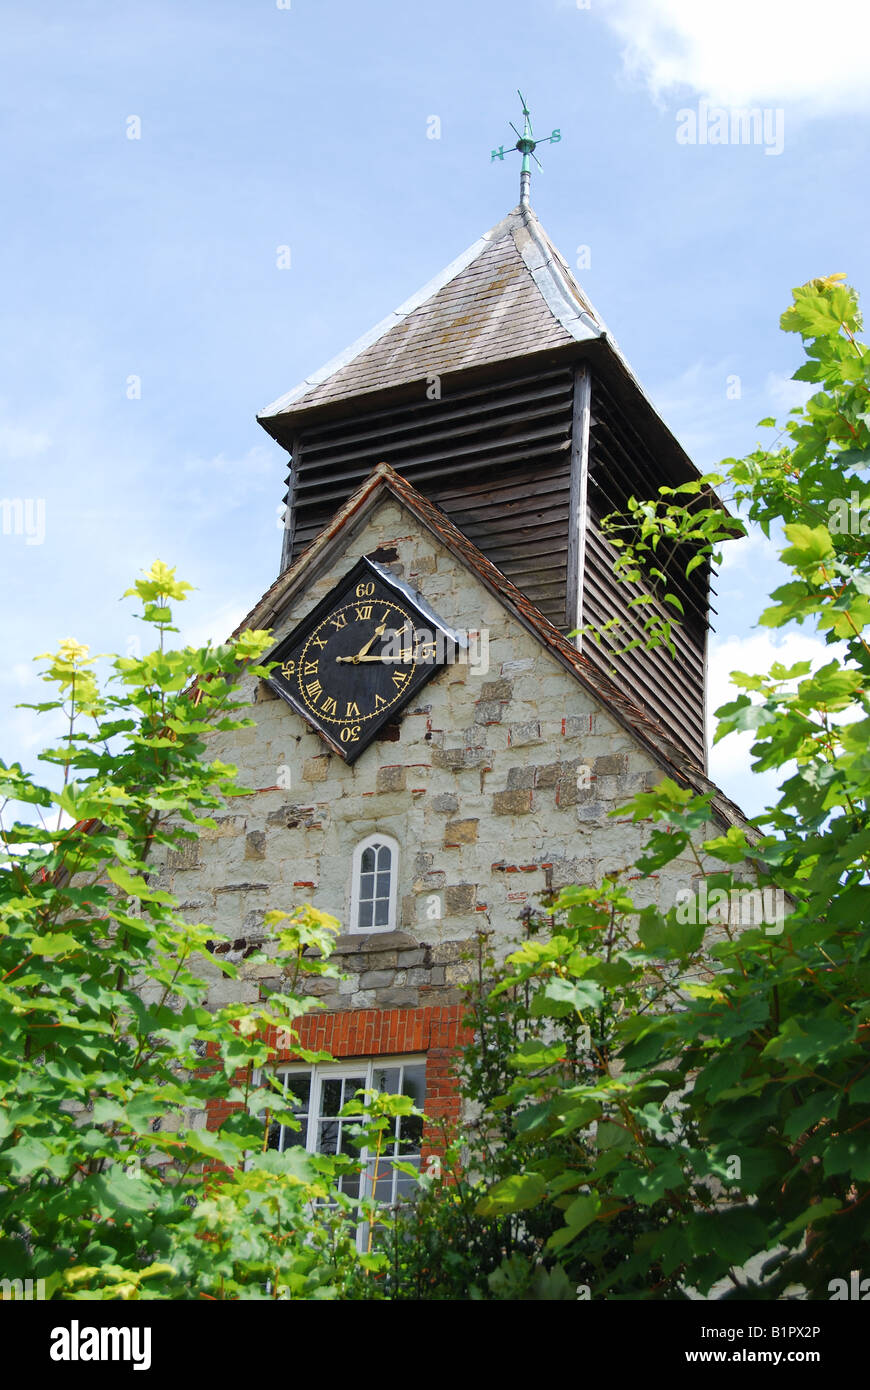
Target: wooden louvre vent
[(621, 466), (496, 459)]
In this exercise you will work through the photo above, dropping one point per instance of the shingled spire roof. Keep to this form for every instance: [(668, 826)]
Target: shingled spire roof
[(509, 295)]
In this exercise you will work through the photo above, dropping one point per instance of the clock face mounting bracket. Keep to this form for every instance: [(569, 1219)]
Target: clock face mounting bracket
[(359, 656)]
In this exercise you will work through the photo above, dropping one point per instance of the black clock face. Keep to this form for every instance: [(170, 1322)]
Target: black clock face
[(359, 657)]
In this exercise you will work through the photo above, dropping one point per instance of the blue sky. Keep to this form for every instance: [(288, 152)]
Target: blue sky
[(306, 126)]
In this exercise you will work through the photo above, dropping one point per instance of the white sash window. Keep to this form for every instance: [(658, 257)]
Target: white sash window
[(374, 884), (317, 1095)]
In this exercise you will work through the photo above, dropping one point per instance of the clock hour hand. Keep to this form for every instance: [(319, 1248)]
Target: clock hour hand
[(361, 654)]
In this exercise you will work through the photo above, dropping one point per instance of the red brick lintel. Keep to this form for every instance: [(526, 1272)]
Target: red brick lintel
[(438, 1032)]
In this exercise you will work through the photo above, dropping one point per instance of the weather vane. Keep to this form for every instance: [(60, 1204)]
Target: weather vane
[(526, 145)]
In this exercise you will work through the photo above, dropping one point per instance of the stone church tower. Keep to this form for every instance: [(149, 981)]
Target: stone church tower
[(453, 467)]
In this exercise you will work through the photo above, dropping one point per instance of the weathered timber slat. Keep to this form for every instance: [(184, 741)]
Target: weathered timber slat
[(673, 688), (460, 450), (474, 494), (320, 442), (484, 397), (501, 461), (609, 493), (685, 635), (498, 428), (675, 705)]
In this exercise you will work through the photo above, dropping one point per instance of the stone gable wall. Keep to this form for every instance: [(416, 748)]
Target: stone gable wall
[(478, 783)]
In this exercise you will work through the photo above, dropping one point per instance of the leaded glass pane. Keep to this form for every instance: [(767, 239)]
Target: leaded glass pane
[(414, 1083), (296, 1138), (405, 1184), (350, 1144), (381, 912), (328, 1136), (298, 1091), (410, 1134), (386, 1079), (331, 1098), (349, 1184), (383, 1182)]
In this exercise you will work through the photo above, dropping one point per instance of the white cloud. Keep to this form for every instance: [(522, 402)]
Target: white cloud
[(699, 406), (745, 554), (745, 51), (784, 393), (18, 674), (730, 765), (214, 487), (214, 627), (21, 442)]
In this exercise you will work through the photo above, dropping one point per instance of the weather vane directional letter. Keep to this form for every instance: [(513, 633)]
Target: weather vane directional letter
[(526, 144)]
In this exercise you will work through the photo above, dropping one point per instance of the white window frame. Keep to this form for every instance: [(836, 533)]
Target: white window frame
[(363, 1067), (356, 874)]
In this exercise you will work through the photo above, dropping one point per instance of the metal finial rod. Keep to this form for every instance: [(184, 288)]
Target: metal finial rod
[(526, 144)]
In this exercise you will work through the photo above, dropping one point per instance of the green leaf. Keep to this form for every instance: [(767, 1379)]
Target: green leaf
[(647, 1185), (578, 1215), (560, 998), (55, 944), (519, 1192), (848, 1153)]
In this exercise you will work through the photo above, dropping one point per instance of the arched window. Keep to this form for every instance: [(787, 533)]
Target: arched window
[(373, 891)]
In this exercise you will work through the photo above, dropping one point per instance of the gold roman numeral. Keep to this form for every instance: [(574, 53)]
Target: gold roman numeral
[(313, 690), (317, 642), (352, 710), (364, 613), (339, 620), (399, 679), (378, 701), (328, 705), (310, 668)]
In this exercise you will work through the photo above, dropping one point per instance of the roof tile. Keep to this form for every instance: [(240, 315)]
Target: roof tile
[(509, 295)]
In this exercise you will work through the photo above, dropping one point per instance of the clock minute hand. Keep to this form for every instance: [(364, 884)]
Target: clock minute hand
[(361, 654), (401, 660)]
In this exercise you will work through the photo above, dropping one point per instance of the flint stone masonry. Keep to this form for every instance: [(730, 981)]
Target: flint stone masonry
[(477, 783), (455, 759), (496, 690), (459, 898), (513, 803), (390, 779), (522, 735), (460, 832), (186, 856), (488, 712), (255, 844)]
